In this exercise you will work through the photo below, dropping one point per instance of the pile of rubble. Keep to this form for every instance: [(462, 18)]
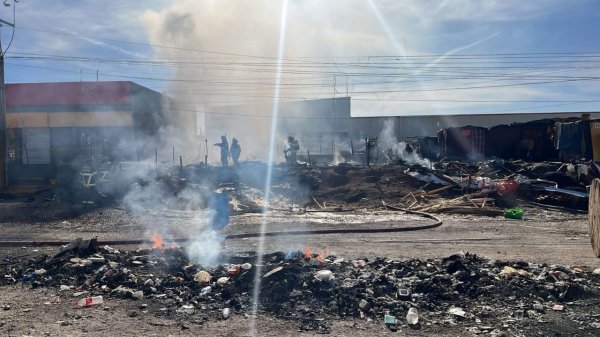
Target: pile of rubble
[(480, 295), (490, 187)]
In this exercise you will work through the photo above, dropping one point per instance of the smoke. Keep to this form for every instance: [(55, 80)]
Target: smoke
[(206, 247), (223, 57), (343, 151), (394, 149)]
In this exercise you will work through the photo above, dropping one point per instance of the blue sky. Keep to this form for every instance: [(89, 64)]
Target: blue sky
[(393, 57)]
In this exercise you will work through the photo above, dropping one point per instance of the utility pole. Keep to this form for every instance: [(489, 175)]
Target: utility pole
[(3, 135), (3, 138)]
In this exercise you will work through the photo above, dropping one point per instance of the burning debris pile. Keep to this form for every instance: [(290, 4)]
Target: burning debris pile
[(463, 290)]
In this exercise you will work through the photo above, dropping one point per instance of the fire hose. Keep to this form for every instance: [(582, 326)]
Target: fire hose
[(438, 222)]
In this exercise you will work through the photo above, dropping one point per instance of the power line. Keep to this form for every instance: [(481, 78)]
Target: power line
[(421, 56)]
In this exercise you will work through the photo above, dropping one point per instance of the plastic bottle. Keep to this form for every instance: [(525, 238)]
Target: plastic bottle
[(205, 290), (412, 317), (89, 301), (38, 272)]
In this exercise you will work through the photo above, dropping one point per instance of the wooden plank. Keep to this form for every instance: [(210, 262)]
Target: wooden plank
[(594, 215)]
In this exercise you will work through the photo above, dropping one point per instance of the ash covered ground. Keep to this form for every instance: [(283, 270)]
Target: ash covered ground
[(477, 274)]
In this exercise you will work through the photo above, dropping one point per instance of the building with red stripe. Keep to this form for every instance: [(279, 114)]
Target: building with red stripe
[(54, 125)]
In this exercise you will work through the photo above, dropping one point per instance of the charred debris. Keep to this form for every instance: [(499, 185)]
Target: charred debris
[(481, 188), (482, 296)]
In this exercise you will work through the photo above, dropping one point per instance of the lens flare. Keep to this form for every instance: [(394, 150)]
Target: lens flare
[(267, 192)]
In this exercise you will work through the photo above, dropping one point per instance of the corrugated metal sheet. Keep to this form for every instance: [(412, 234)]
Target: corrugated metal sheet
[(36, 144)]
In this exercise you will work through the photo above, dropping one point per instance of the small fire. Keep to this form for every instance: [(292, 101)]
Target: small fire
[(158, 243), (321, 253), (308, 253)]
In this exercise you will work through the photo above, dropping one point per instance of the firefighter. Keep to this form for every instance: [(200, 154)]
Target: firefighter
[(235, 151), (370, 144), (292, 148), (224, 145)]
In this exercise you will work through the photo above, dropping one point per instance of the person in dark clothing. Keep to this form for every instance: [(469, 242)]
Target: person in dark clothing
[(370, 144), (292, 149), (224, 145), (235, 151)]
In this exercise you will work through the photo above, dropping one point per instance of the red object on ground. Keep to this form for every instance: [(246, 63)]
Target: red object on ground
[(506, 187)]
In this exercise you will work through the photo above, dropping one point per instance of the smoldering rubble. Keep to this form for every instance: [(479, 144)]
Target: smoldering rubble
[(497, 298)]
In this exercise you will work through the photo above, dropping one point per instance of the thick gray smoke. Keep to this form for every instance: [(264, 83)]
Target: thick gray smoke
[(229, 88), (245, 36)]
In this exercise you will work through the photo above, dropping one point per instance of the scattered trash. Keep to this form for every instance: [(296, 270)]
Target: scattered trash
[(205, 290), (514, 213), (33, 274), (403, 293), (96, 259), (412, 317), (538, 307), (324, 275), (359, 263), (89, 301), (275, 270), (442, 290), (202, 277), (233, 270), (187, 309), (508, 271), (225, 313), (459, 312), (388, 319)]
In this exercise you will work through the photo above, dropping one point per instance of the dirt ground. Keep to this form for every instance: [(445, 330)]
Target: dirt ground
[(351, 198), (541, 237)]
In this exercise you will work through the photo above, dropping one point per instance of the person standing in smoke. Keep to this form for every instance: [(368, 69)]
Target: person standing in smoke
[(235, 150), (224, 145), (370, 144), (293, 147)]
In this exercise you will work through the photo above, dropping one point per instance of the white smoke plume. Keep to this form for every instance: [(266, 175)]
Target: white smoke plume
[(388, 142), (205, 249)]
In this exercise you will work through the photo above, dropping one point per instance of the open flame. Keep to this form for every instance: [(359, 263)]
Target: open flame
[(323, 253), (307, 253), (320, 255), (159, 243)]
